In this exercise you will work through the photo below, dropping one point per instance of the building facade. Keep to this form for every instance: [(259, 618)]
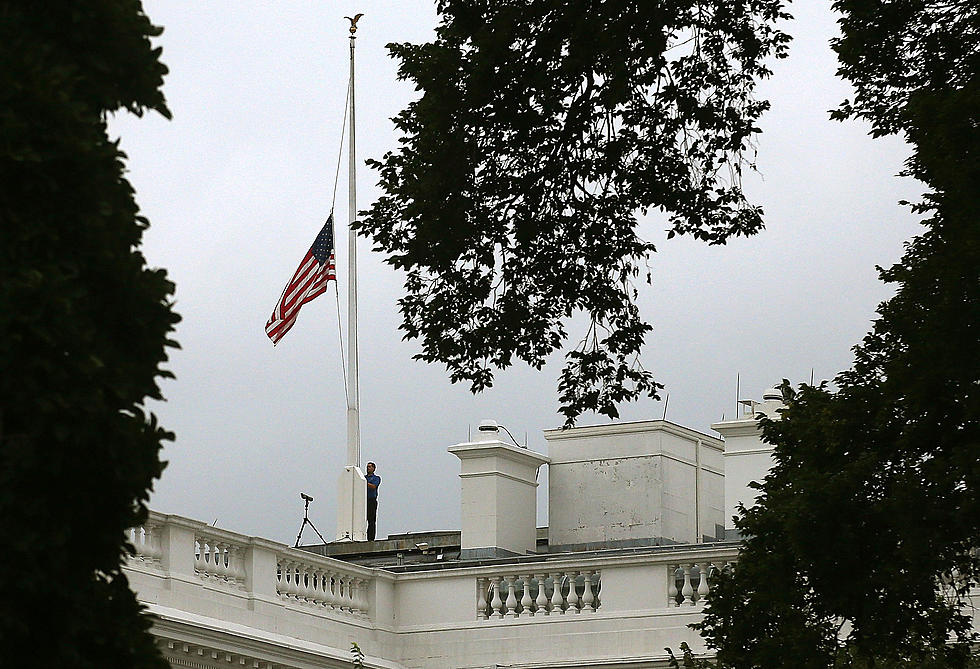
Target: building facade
[(638, 518)]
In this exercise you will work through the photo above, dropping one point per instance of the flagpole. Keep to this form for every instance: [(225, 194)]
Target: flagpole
[(353, 399), (351, 486)]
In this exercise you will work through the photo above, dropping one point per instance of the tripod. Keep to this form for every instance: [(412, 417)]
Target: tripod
[(307, 521)]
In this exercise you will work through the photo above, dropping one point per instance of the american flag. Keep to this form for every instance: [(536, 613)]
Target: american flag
[(310, 280)]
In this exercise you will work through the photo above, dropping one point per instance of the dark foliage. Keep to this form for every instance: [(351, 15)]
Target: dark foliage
[(83, 331), (864, 544), (543, 127)]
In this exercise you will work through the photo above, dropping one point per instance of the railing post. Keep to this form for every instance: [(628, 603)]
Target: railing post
[(259, 564), (177, 549)]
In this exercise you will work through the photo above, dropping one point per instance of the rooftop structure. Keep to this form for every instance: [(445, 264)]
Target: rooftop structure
[(638, 517)]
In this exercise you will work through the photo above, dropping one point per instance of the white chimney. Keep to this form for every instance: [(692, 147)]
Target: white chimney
[(747, 457), (499, 486)]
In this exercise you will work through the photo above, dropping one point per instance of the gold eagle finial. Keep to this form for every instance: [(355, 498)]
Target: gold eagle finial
[(353, 22)]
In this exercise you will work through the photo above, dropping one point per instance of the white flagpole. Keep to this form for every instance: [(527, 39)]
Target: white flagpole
[(353, 399), (352, 487)]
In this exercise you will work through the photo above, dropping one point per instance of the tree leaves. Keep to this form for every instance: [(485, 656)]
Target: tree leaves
[(862, 548), (84, 329), (542, 129)]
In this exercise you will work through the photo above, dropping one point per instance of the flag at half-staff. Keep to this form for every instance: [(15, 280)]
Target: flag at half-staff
[(318, 267)]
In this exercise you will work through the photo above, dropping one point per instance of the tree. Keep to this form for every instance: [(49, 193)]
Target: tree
[(83, 332), (542, 128), (863, 545)]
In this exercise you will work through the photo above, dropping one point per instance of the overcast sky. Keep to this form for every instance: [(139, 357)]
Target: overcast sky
[(237, 185)]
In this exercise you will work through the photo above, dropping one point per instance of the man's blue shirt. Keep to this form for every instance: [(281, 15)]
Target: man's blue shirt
[(374, 479)]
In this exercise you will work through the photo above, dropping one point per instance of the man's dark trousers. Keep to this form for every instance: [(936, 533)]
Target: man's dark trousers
[(372, 516)]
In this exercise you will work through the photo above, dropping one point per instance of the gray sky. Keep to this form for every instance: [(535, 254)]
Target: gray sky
[(238, 184)]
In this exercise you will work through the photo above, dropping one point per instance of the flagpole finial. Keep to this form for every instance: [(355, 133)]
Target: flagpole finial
[(353, 22)]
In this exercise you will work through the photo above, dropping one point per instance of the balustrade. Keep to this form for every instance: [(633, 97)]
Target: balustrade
[(219, 560), (689, 583), (524, 595), (305, 581), (145, 540)]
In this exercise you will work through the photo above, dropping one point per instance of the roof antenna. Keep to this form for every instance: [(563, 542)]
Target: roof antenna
[(666, 400)]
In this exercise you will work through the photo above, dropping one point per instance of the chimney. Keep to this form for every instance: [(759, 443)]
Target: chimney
[(499, 486), (747, 457)]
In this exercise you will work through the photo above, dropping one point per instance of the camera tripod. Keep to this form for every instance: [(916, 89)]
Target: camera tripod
[(307, 521)]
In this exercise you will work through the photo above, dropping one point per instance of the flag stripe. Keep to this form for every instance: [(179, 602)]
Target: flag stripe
[(308, 282)]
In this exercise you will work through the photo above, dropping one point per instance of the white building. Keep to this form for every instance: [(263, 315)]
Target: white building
[(638, 512)]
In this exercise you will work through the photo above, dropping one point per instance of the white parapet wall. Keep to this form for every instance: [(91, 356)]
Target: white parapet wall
[(221, 599), (632, 484)]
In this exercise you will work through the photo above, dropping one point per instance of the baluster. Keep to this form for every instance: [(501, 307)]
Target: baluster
[(526, 600), (224, 560), (672, 585), (556, 598), (573, 599), (341, 592), (236, 572), (221, 564), (355, 596), (481, 599), (332, 583), (588, 599), (211, 559), (511, 598), (495, 604), (149, 549), (293, 590), (322, 583), (303, 582), (703, 587), (688, 589), (283, 586), (206, 558), (347, 596), (136, 536), (309, 583), (349, 589), (541, 601)]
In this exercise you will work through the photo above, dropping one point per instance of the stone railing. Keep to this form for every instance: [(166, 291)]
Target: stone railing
[(184, 548), (688, 583), (537, 593), (321, 582), (567, 587), (219, 557), (146, 540)]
